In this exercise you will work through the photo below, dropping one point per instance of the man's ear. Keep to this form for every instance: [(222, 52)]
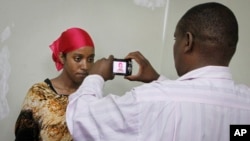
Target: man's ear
[(62, 57), (189, 41)]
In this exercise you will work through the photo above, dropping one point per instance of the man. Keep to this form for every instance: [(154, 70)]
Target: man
[(199, 106)]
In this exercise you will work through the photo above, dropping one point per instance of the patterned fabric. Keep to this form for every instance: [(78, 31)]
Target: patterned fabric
[(199, 106), (42, 117)]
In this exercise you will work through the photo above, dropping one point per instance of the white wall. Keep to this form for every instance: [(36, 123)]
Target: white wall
[(117, 27)]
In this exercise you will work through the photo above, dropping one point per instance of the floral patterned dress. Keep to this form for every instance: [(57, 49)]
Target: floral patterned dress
[(42, 117)]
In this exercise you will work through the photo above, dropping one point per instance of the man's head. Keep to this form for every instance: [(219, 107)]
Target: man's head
[(207, 34)]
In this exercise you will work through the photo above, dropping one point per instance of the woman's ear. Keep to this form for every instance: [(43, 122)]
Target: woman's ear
[(189, 38), (62, 57)]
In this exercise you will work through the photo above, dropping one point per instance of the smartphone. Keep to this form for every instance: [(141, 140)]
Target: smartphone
[(122, 67)]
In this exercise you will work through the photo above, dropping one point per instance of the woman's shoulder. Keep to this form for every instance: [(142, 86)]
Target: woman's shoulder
[(35, 95), (39, 86)]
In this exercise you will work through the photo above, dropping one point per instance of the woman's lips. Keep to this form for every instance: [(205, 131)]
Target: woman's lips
[(81, 74)]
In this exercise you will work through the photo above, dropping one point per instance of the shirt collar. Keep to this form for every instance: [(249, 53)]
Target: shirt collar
[(219, 72)]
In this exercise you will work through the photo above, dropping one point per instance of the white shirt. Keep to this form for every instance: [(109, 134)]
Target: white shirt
[(199, 106)]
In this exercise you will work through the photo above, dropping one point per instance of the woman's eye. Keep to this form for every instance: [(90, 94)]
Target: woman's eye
[(77, 59), (91, 59)]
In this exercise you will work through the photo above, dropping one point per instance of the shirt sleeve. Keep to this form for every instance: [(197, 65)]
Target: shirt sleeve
[(162, 78), (26, 127), (93, 117)]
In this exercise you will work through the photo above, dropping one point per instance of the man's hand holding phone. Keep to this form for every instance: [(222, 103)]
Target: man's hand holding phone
[(103, 67), (110, 67), (146, 72)]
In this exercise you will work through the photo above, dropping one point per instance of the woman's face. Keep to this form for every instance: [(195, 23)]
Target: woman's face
[(78, 62)]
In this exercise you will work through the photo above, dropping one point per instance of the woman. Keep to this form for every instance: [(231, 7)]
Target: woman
[(43, 113)]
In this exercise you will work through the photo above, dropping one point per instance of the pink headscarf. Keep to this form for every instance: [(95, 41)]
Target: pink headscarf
[(71, 39)]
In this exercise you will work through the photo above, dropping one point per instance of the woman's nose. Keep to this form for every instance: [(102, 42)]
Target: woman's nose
[(84, 65)]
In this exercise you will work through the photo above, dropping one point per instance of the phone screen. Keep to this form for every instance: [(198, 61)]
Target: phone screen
[(122, 67)]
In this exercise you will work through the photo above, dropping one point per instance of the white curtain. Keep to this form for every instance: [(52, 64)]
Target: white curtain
[(4, 73), (151, 3)]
